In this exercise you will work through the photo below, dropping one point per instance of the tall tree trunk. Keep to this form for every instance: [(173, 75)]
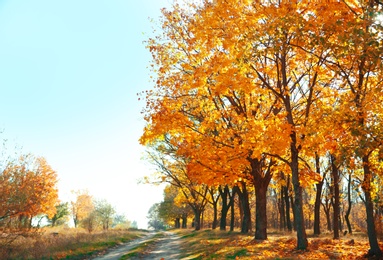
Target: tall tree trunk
[(244, 201), (347, 215), (318, 197), (177, 223), (232, 213), (261, 180), (224, 207), (287, 204), (215, 217), (366, 186), (302, 241), (197, 218), (294, 218), (282, 215), (335, 179), (327, 207), (260, 212), (184, 221)]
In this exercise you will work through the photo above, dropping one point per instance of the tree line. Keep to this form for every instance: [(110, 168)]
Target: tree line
[(253, 93), (29, 200)]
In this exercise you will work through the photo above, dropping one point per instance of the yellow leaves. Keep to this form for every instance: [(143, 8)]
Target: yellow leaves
[(28, 187)]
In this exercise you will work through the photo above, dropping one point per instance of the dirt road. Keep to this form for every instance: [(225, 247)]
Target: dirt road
[(166, 247)]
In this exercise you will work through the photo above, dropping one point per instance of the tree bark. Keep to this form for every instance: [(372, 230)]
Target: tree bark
[(244, 200), (327, 208), (282, 215), (197, 218), (232, 212), (347, 215), (184, 221), (318, 197), (366, 186), (292, 205), (177, 223), (225, 205), (335, 179), (260, 212), (302, 241), (261, 179), (287, 204)]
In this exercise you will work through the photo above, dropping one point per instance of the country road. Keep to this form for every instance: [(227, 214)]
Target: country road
[(166, 247)]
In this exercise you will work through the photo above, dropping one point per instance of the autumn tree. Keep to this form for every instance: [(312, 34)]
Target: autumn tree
[(174, 208), (27, 189), (175, 170), (356, 55), (81, 207)]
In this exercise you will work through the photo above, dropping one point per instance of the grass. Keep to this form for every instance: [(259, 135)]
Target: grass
[(206, 244), (66, 244)]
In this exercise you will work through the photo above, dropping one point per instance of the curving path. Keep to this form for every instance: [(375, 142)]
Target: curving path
[(117, 253), (167, 247)]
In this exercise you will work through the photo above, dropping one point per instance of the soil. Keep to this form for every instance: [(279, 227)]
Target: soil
[(167, 247)]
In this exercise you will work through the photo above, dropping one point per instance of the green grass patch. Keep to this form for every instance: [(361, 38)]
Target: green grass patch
[(241, 252)]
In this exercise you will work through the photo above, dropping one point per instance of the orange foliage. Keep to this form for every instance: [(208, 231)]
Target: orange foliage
[(28, 188)]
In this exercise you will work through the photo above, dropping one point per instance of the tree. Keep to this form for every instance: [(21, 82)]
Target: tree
[(120, 221), (104, 211), (154, 219), (360, 79), (82, 207), (62, 212), (173, 208), (27, 189)]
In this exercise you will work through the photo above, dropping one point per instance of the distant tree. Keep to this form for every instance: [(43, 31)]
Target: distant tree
[(81, 207), (104, 211), (134, 225), (154, 217), (91, 221), (61, 216), (120, 221)]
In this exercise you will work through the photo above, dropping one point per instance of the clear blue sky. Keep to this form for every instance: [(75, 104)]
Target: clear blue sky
[(69, 74)]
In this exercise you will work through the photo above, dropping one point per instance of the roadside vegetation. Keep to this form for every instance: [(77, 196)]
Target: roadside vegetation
[(66, 243)]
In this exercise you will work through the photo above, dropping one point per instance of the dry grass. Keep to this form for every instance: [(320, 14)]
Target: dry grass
[(210, 244), (65, 243)]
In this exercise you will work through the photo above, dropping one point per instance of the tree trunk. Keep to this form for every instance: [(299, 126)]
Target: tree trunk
[(294, 218), (335, 179), (232, 209), (184, 221), (282, 215), (215, 217), (347, 215), (302, 241), (225, 206), (366, 186), (177, 223), (244, 200), (197, 218), (261, 180), (260, 212), (318, 197), (287, 204)]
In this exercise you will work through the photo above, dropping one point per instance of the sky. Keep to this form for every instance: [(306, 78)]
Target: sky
[(69, 74)]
